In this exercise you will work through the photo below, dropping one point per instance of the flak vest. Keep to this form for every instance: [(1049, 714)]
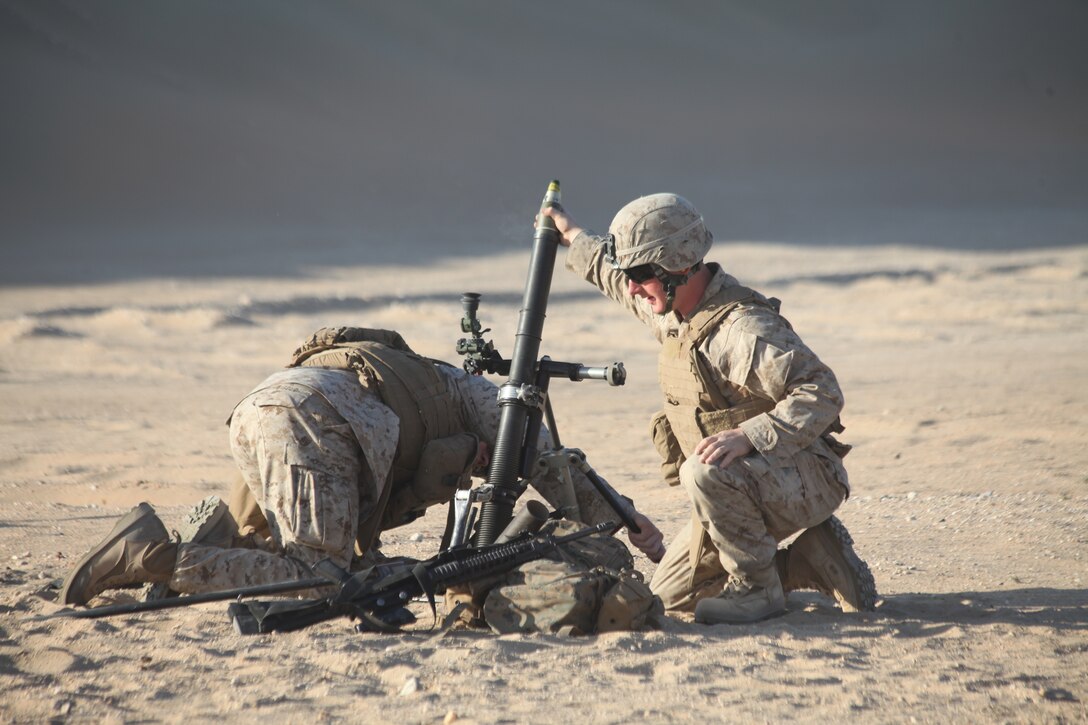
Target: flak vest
[(434, 451), (694, 405)]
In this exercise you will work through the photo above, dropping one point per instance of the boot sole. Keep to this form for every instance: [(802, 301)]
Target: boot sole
[(857, 569), (120, 530), (202, 518)]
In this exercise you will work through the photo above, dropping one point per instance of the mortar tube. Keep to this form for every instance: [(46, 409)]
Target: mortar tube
[(530, 518), (514, 413)]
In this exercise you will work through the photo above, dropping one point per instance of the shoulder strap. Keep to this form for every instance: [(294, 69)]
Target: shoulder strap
[(720, 306)]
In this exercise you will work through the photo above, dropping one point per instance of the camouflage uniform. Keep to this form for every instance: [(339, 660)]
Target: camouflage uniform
[(315, 447), (792, 481)]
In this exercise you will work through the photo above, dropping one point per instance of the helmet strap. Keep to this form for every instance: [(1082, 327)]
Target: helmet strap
[(671, 281)]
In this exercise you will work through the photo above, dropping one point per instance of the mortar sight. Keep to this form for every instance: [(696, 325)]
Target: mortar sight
[(470, 303)]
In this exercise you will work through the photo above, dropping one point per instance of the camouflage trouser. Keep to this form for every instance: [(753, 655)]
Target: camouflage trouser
[(301, 461), (739, 514)]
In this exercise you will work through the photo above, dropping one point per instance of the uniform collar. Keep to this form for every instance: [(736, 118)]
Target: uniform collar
[(719, 280)]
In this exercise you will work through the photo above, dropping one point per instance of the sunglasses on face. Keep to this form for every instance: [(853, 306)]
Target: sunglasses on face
[(640, 274)]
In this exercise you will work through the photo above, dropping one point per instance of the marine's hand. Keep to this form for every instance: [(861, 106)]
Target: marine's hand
[(649, 540), (724, 448), (483, 457), (564, 222)]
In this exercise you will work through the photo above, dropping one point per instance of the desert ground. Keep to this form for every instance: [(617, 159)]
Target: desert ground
[(964, 374), (189, 190)]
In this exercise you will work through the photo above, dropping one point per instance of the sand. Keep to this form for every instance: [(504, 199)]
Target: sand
[(963, 372), (190, 189)]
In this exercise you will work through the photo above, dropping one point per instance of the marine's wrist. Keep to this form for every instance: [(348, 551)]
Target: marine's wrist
[(760, 433)]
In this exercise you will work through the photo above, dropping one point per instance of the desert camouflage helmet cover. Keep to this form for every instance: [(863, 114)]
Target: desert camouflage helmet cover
[(661, 229)]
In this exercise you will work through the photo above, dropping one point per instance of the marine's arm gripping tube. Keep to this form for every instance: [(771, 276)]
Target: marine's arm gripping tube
[(516, 407)]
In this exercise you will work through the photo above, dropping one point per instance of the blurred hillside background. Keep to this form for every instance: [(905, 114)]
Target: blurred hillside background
[(224, 137)]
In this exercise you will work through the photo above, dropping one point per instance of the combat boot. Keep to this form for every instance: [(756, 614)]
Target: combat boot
[(823, 558), (209, 523), (741, 603), (137, 551)]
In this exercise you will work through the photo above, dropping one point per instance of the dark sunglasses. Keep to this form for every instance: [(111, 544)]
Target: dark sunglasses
[(640, 274)]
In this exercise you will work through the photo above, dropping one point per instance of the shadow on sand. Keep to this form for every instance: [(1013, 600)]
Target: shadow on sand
[(916, 615), (1062, 609)]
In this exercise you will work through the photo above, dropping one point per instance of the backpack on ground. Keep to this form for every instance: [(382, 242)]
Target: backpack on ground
[(588, 586)]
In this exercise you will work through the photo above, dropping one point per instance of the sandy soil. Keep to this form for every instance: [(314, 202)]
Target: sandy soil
[(964, 375), (231, 144)]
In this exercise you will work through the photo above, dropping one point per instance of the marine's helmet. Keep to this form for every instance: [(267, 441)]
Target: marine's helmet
[(662, 234)]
